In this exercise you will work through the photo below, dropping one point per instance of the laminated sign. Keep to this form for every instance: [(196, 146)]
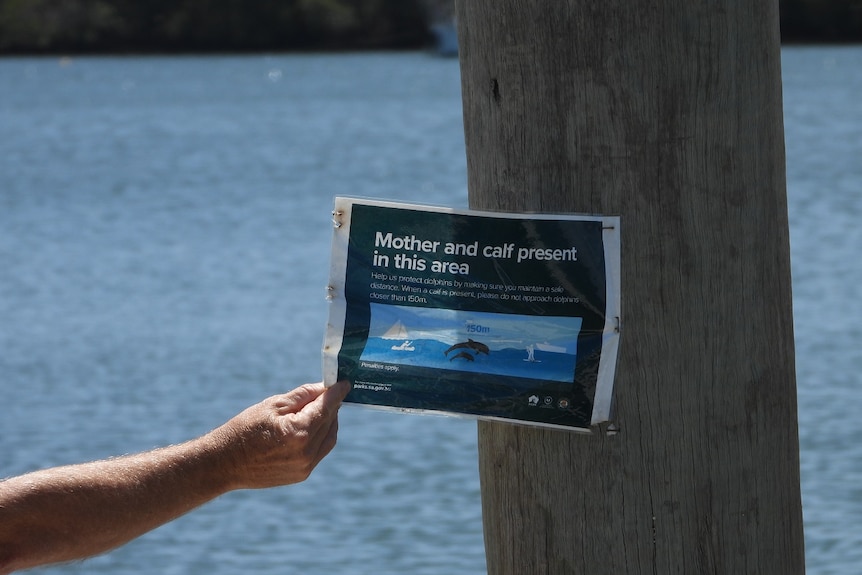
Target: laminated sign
[(511, 317)]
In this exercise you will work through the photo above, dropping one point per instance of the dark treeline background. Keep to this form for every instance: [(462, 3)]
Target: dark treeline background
[(81, 26), (210, 25)]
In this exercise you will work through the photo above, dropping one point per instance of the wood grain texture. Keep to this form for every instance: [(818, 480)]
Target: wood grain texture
[(668, 113)]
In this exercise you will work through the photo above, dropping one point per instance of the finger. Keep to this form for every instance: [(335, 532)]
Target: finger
[(331, 438), (324, 441), (338, 391), (324, 406), (318, 416)]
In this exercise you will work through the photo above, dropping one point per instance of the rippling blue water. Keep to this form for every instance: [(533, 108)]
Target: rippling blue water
[(164, 225), (823, 127)]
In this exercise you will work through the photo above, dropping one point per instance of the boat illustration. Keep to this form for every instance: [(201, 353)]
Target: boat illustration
[(546, 347), (399, 331), (550, 348)]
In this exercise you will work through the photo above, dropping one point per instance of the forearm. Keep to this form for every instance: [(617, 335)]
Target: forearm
[(73, 512)]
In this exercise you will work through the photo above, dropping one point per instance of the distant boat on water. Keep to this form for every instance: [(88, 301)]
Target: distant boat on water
[(446, 38)]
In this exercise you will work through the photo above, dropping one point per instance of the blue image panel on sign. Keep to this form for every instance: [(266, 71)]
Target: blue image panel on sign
[(533, 347)]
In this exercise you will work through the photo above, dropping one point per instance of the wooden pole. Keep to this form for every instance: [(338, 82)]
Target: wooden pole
[(669, 114)]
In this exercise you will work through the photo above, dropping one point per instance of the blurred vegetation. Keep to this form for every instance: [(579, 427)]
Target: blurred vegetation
[(80, 26), (209, 25), (822, 21)]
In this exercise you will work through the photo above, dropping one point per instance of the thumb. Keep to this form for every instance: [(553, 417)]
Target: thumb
[(294, 400)]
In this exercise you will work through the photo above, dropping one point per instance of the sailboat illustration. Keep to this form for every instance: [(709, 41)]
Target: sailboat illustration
[(399, 331)]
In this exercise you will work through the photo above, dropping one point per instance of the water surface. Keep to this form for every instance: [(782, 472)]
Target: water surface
[(164, 228)]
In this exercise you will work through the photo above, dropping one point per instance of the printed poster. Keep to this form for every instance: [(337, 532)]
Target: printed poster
[(511, 317)]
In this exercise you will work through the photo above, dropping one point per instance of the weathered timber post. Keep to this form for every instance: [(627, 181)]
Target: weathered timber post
[(669, 114)]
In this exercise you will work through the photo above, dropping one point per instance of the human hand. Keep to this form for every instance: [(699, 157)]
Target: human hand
[(282, 439)]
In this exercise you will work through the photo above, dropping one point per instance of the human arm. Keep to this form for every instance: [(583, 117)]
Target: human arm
[(77, 511)]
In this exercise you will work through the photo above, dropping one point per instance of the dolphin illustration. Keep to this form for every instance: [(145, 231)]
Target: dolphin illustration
[(463, 354), (462, 345), (476, 346)]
